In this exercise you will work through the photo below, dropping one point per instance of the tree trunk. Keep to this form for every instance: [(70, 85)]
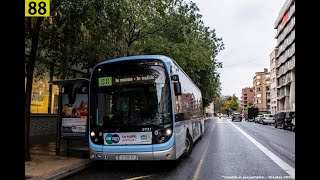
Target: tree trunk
[(30, 69)]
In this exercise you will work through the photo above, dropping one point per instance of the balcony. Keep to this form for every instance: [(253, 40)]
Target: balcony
[(290, 68), (281, 95), (287, 82), (284, 58), (282, 38)]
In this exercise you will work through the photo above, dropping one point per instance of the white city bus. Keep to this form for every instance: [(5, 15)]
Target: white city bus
[(143, 108)]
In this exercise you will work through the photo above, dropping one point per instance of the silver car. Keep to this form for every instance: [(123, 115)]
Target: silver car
[(266, 119), (257, 118), (236, 116)]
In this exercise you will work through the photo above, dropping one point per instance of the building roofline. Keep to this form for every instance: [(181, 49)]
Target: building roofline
[(284, 8)]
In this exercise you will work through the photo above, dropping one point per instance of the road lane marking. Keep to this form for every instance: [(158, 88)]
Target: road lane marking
[(139, 177), (286, 167), (196, 174)]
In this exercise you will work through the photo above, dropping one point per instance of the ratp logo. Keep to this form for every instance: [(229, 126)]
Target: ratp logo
[(115, 138), (112, 138)]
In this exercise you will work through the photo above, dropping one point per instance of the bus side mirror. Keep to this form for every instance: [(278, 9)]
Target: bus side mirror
[(77, 87), (177, 88)]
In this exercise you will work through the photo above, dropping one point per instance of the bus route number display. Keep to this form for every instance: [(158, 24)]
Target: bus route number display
[(105, 81), (37, 8)]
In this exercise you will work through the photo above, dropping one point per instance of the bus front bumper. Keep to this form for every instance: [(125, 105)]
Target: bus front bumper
[(168, 154)]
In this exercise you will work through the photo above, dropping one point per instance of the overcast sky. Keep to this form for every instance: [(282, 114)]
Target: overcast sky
[(247, 30)]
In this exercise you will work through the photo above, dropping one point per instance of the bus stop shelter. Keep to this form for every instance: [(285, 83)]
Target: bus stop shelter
[(72, 122)]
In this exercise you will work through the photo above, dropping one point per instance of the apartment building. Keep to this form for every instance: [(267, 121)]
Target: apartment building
[(273, 82), (247, 96), (285, 58), (261, 89)]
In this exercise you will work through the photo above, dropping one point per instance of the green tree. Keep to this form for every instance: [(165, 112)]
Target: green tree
[(194, 46), (33, 40), (220, 102), (231, 103), (250, 104), (60, 39)]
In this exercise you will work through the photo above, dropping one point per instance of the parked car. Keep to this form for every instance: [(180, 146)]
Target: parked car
[(266, 119), (283, 119), (257, 118), (236, 116)]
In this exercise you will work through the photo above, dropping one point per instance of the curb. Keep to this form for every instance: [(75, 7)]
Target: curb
[(64, 172)]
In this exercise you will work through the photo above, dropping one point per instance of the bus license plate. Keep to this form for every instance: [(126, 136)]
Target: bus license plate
[(126, 157)]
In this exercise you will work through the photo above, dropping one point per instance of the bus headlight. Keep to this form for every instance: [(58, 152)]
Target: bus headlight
[(92, 134), (164, 134), (168, 132)]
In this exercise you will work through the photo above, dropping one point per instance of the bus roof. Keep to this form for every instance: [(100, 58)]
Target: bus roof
[(163, 58), (128, 58)]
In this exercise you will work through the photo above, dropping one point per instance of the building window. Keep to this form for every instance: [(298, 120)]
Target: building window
[(259, 95), (258, 83), (259, 101)]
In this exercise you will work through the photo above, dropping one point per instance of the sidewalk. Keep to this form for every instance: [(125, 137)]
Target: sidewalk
[(45, 164)]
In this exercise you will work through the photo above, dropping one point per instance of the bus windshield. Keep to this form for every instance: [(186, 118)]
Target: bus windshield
[(130, 93)]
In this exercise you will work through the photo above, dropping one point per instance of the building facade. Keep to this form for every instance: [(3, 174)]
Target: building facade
[(285, 58), (273, 81), (247, 96), (261, 89)]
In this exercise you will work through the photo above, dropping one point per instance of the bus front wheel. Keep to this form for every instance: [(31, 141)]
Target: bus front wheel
[(189, 145)]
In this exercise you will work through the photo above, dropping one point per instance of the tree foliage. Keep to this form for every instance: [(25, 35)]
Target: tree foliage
[(85, 32), (232, 103), (250, 105)]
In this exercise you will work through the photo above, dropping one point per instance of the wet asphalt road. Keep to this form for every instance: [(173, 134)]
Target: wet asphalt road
[(224, 152)]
